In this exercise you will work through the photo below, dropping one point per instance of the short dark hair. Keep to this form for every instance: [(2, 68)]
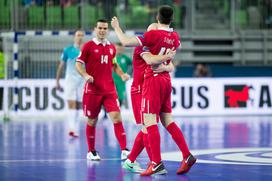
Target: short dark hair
[(165, 14), (101, 21)]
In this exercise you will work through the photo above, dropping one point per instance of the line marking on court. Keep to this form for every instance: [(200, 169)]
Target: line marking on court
[(58, 160), (235, 156)]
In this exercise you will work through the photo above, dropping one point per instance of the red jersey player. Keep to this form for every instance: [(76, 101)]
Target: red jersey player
[(98, 57), (158, 105), (141, 140), (139, 66)]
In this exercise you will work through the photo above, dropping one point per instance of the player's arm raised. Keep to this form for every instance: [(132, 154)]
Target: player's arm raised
[(117, 69), (79, 66), (124, 39)]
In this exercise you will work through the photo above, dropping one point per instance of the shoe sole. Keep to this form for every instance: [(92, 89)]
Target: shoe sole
[(124, 158), (189, 168), (162, 172), (128, 168), (93, 159)]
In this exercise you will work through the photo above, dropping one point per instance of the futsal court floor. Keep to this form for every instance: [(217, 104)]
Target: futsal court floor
[(227, 148)]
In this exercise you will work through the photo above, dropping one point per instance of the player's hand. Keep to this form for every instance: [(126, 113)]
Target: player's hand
[(114, 22), (171, 54), (125, 77), (89, 79), (159, 68)]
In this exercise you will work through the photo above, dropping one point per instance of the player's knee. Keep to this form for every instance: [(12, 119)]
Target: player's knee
[(166, 123), (166, 119), (115, 117), (150, 119), (92, 122)]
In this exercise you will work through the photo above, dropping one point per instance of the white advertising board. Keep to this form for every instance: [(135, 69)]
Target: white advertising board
[(221, 96), (190, 97)]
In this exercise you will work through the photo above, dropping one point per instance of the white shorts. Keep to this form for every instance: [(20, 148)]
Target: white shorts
[(73, 90)]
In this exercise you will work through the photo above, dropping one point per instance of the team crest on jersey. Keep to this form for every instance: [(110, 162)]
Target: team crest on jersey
[(96, 50), (145, 49), (111, 51)]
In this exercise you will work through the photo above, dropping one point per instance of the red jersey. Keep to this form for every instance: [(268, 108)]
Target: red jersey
[(139, 67), (98, 59), (159, 42)]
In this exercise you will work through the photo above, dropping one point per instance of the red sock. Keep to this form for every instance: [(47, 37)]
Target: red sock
[(90, 136), (147, 146), (120, 135), (178, 137), (154, 142), (137, 148)]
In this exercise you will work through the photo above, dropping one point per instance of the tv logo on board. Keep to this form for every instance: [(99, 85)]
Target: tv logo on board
[(237, 96)]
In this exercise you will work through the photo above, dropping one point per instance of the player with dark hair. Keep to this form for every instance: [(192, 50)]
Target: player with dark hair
[(98, 56), (156, 93), (139, 66)]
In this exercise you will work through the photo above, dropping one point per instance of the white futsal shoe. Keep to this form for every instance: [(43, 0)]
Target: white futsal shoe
[(124, 154), (93, 155)]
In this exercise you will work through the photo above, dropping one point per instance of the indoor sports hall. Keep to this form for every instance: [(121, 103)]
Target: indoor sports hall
[(221, 90)]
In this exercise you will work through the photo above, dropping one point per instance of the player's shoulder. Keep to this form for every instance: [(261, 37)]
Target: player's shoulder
[(69, 47), (152, 35), (176, 34), (152, 32), (88, 44), (108, 42), (111, 46), (138, 50)]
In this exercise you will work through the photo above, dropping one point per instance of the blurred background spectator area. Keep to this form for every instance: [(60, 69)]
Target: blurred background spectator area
[(191, 15), (232, 37)]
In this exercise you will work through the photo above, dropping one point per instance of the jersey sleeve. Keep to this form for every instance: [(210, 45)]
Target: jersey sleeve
[(144, 50), (145, 39), (64, 55), (178, 43), (114, 59), (114, 51), (83, 55)]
